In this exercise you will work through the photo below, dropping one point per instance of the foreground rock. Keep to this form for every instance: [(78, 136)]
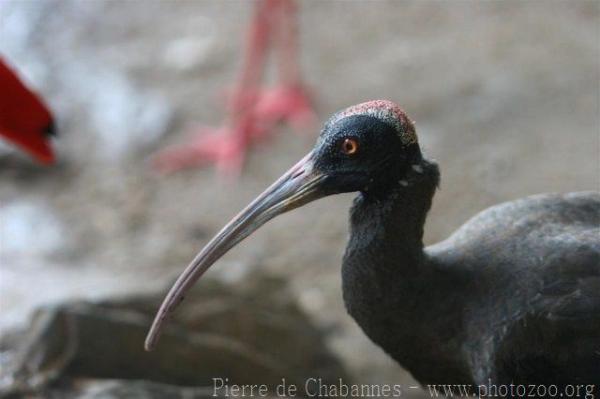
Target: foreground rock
[(251, 334)]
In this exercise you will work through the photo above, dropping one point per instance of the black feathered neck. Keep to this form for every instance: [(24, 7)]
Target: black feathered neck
[(387, 276), (385, 248), (396, 207)]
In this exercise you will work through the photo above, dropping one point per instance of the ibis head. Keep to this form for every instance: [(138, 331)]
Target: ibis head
[(365, 147)]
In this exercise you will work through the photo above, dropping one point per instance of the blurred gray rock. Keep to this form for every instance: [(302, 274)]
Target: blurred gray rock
[(251, 333), (130, 389)]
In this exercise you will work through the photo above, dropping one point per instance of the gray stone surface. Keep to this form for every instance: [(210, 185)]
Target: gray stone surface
[(259, 335)]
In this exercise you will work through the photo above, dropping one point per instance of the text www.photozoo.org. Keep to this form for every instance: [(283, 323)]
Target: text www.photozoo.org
[(317, 388)]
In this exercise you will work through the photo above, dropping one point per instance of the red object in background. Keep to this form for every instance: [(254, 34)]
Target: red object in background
[(24, 118), (252, 111)]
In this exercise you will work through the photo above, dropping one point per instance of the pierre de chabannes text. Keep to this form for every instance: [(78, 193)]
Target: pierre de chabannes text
[(317, 388)]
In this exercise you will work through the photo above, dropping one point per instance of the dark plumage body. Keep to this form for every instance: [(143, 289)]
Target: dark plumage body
[(511, 296)]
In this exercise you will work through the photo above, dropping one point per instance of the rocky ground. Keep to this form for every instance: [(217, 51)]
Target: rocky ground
[(505, 96)]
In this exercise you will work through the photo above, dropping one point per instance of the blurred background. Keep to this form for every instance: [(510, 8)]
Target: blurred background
[(505, 96)]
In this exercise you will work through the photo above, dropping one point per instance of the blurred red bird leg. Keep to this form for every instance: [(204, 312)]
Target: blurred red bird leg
[(252, 112), (225, 146), (289, 101), (25, 120)]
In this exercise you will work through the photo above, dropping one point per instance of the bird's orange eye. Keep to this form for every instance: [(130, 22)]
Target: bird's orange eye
[(350, 146)]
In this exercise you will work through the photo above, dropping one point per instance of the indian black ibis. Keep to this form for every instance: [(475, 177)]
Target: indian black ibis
[(253, 112), (512, 296)]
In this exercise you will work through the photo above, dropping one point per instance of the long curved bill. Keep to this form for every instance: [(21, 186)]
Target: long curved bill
[(298, 186)]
